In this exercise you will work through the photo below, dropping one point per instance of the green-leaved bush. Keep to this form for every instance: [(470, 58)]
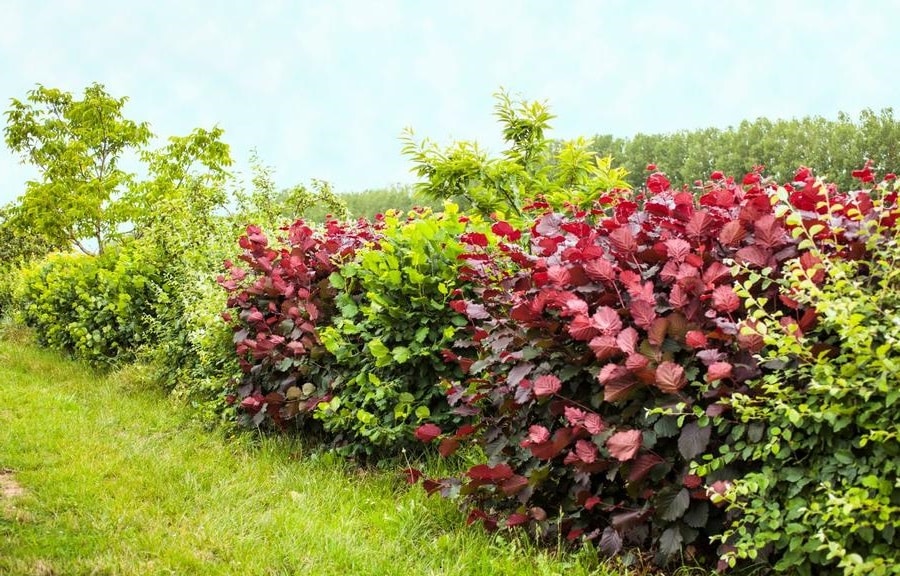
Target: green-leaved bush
[(95, 307), (823, 496), (393, 322)]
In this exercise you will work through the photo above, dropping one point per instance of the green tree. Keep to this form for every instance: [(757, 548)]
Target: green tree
[(532, 166), (78, 146)]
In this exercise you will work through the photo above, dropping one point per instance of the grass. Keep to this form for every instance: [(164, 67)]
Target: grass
[(116, 479)]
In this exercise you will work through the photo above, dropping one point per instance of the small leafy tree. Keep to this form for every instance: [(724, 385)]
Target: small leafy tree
[(532, 168), (78, 145)]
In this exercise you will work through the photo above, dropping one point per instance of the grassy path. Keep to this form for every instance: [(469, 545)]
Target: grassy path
[(103, 476)]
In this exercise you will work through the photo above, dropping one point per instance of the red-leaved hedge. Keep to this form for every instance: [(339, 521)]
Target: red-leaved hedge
[(600, 345)]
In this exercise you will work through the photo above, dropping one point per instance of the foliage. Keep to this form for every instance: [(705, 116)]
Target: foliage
[(370, 203), (529, 169), (602, 351), (78, 146), (269, 207), (834, 147), (392, 323), (824, 494), (92, 307), (279, 300), (18, 247)]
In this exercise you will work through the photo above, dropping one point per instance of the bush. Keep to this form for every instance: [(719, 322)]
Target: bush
[(600, 362), (392, 322), (95, 307), (276, 304), (824, 493)]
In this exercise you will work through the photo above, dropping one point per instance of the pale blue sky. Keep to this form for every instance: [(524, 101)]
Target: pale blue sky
[(324, 88)]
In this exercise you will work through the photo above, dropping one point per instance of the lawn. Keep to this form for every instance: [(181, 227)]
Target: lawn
[(103, 474)]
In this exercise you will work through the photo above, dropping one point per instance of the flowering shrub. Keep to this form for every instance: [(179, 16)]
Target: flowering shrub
[(601, 347)]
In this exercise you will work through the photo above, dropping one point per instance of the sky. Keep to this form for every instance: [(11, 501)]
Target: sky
[(323, 89)]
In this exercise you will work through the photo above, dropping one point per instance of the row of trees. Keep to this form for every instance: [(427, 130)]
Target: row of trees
[(834, 148)]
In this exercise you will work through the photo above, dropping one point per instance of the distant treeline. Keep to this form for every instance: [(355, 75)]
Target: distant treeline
[(368, 203), (833, 148)]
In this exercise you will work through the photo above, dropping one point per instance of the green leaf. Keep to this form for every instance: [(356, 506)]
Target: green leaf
[(401, 354), (378, 349), (337, 280)]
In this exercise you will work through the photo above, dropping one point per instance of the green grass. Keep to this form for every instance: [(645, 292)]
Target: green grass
[(118, 480)]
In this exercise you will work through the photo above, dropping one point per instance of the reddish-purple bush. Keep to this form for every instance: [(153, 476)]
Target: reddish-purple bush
[(280, 299), (600, 347)]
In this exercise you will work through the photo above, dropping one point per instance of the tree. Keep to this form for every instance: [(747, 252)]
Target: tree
[(78, 146), (532, 167)]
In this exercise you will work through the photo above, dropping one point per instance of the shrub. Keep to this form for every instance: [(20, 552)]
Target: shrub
[(823, 496), (599, 363), (93, 307), (276, 304), (392, 322)]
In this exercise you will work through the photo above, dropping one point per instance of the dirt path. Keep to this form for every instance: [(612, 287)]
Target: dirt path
[(9, 488)]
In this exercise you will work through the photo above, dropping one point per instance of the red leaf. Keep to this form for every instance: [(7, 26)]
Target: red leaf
[(678, 298), (559, 275), (725, 300), (582, 328), (519, 372), (642, 466), (627, 340), (474, 239), (504, 229), (538, 434), (427, 432), (611, 373), (670, 377), (768, 231), (552, 449), (678, 249), (754, 255), (547, 385), (516, 519), (514, 485), (604, 347), (643, 313), (575, 416), (623, 240), (696, 339), (593, 423), (657, 333), (586, 451), (732, 233), (714, 272), (600, 269), (476, 311), (624, 445), (607, 321), (448, 446), (412, 475), (718, 371), (487, 473), (591, 502), (658, 183), (636, 362), (699, 225), (618, 389)]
